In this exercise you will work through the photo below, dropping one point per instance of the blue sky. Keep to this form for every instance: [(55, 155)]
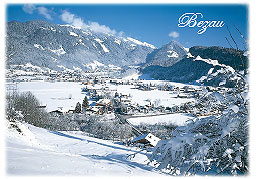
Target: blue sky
[(156, 24)]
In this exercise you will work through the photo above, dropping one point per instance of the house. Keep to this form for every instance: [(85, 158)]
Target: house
[(71, 111), (125, 100), (143, 109), (97, 110), (103, 102), (41, 106), (114, 81), (182, 95), (147, 139), (56, 112)]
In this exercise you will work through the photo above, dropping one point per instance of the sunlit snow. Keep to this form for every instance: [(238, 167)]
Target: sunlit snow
[(73, 34), (59, 51), (42, 152), (102, 45)]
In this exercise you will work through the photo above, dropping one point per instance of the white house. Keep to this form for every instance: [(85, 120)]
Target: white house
[(147, 139)]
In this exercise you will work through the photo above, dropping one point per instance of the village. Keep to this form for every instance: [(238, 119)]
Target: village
[(30, 73), (107, 96), (104, 95)]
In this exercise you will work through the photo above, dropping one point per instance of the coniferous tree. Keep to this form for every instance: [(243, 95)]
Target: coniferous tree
[(85, 103), (116, 94), (78, 108)]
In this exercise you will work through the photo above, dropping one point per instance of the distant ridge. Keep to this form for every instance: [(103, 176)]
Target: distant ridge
[(56, 47), (167, 55)]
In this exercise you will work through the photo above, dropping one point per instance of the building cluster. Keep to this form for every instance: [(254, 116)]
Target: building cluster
[(29, 73), (23, 73), (105, 100)]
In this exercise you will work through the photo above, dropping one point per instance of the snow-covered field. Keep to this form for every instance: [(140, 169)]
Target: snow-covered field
[(59, 95), (65, 95), (42, 152), (161, 82), (177, 119), (165, 98)]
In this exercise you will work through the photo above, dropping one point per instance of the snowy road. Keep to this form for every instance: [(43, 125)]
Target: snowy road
[(43, 152)]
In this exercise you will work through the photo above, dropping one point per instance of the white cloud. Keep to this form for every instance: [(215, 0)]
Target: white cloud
[(174, 34), (78, 22), (45, 12), (29, 8), (72, 19), (67, 17), (96, 27)]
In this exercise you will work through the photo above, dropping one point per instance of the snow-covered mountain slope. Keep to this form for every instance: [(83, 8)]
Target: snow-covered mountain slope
[(185, 71), (237, 59), (37, 151), (196, 70), (206, 71), (167, 55), (50, 45)]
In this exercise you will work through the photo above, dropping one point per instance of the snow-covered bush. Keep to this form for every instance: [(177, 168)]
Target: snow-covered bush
[(211, 145), (161, 130), (25, 107), (108, 129), (65, 122)]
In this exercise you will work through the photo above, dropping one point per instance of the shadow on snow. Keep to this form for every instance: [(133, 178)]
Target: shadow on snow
[(113, 158), (99, 143)]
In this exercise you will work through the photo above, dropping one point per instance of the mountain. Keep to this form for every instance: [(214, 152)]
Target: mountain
[(63, 46), (167, 55), (218, 70), (60, 47), (227, 56), (185, 71)]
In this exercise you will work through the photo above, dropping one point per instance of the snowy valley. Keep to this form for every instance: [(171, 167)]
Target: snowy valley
[(80, 102)]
